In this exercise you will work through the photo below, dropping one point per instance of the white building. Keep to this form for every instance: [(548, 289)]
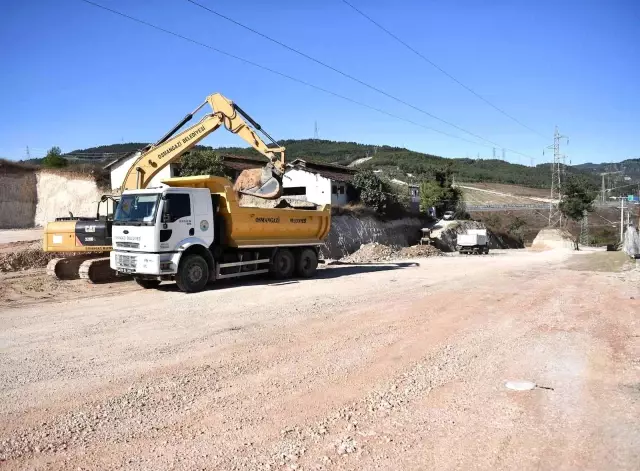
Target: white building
[(119, 168), (318, 183)]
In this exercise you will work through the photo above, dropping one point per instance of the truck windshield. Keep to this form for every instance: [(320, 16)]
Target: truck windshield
[(137, 210)]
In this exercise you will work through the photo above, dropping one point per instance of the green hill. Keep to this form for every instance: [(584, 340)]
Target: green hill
[(395, 162)]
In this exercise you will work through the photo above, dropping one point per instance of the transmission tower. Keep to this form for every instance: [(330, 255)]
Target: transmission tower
[(584, 229), (504, 154), (557, 176), (315, 130)]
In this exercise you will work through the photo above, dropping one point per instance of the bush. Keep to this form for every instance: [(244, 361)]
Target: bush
[(203, 162), (371, 190), (440, 193), (54, 159)]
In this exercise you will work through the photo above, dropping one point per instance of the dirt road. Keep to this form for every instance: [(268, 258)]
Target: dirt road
[(366, 367), (20, 235)]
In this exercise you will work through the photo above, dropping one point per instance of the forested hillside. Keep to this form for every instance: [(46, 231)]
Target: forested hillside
[(630, 167), (395, 162), (398, 162)]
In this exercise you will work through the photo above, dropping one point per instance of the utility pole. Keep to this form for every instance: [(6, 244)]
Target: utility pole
[(557, 173), (628, 216), (584, 229), (604, 186), (621, 220)]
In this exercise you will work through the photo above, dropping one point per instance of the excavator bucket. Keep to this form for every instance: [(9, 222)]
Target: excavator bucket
[(262, 183)]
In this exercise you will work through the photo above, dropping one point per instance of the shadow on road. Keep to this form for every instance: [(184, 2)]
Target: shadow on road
[(336, 270)]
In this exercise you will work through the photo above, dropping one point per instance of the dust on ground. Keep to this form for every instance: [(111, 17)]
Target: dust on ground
[(376, 252), (20, 235), (602, 261), (23, 256), (363, 367), (18, 288), (23, 278)]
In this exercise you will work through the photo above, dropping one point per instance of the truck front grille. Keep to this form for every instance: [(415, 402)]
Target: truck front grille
[(126, 261)]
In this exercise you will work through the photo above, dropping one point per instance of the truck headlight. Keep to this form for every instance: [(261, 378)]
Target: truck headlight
[(165, 265)]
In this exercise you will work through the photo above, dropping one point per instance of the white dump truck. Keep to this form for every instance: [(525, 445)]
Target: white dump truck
[(474, 241), (194, 231)]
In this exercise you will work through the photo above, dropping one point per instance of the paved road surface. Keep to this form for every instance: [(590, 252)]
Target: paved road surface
[(394, 367)]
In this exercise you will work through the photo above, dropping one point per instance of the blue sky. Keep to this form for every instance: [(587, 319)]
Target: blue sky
[(76, 76)]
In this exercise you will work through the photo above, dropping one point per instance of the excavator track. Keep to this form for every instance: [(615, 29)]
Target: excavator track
[(93, 268), (97, 270)]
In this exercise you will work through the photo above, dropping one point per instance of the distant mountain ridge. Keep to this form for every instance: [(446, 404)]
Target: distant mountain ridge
[(394, 162)]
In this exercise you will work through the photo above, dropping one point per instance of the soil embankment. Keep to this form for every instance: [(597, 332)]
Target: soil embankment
[(61, 194), (18, 196), (348, 232), (30, 197)]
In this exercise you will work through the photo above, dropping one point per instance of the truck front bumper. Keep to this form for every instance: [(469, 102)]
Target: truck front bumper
[(140, 263)]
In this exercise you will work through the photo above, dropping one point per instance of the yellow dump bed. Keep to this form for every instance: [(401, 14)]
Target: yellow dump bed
[(259, 227)]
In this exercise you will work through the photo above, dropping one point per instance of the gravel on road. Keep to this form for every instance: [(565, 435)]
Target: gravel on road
[(376, 252), (400, 365)]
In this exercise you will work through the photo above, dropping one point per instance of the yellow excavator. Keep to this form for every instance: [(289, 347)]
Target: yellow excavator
[(89, 238)]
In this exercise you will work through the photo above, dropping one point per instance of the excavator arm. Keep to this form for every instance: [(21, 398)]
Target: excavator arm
[(224, 113)]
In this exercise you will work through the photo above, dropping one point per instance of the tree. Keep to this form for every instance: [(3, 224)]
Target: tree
[(203, 162), (371, 190), (516, 228), (400, 194), (578, 197), (54, 158), (439, 192)]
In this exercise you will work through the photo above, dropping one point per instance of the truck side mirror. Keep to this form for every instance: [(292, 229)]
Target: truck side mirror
[(166, 211)]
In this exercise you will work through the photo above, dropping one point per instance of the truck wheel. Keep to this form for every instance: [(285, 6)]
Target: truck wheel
[(147, 284), (307, 263), (283, 264), (193, 274)]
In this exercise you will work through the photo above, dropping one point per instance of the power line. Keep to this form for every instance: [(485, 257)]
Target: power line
[(345, 74), (281, 74), (436, 66)]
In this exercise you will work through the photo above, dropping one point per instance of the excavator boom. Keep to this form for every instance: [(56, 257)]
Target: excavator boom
[(224, 113)]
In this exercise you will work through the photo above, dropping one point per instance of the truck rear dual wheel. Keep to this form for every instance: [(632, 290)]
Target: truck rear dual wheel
[(307, 263), (304, 264), (193, 274), (283, 264)]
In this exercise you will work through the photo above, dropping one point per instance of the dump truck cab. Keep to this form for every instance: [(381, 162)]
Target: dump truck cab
[(153, 228)]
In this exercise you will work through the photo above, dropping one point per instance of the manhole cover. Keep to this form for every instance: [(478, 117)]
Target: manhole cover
[(520, 385)]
